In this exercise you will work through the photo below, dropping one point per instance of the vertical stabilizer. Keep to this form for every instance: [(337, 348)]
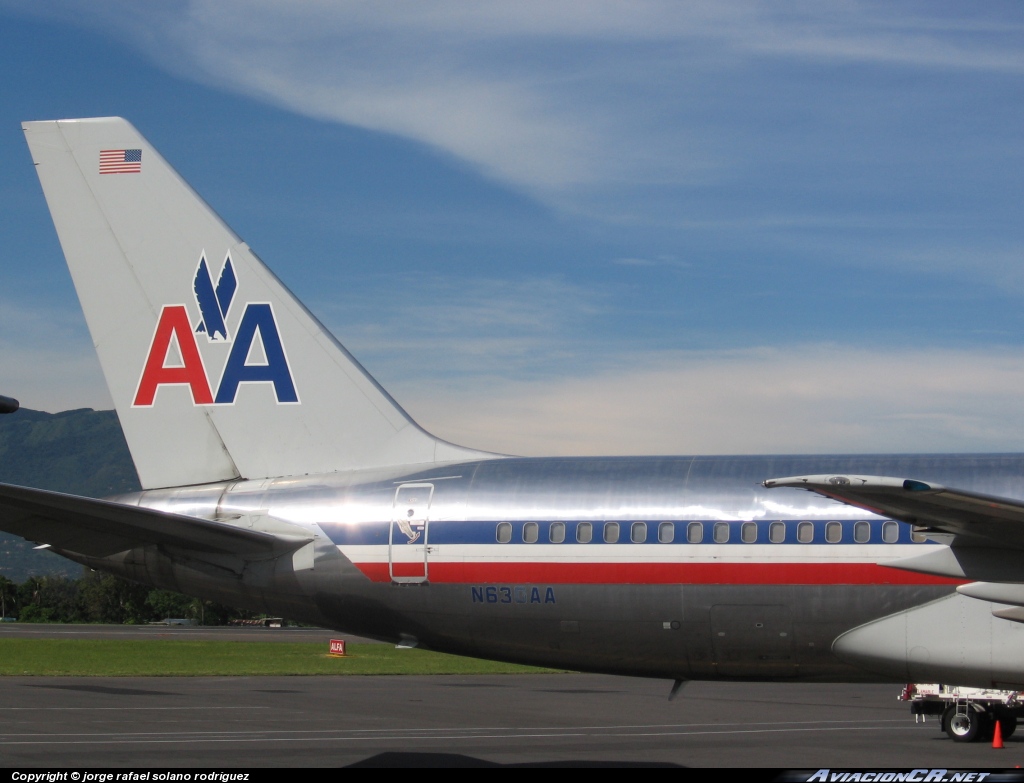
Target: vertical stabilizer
[(217, 371)]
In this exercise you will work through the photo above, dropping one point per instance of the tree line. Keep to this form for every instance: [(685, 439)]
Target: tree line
[(104, 598)]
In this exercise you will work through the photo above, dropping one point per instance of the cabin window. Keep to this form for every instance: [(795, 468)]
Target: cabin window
[(890, 532), (833, 532), (805, 532), (611, 532), (584, 532), (777, 532), (748, 532), (721, 532), (504, 534), (638, 532), (917, 534), (666, 533), (862, 532), (530, 532), (556, 533), (695, 532)]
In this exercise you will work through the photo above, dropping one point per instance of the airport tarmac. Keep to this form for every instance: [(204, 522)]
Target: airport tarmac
[(219, 633), (535, 719), (451, 720)]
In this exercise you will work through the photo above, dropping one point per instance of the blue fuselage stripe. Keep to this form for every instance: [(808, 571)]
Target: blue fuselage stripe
[(486, 532)]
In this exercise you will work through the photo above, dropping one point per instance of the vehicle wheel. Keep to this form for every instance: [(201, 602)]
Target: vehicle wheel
[(964, 726)]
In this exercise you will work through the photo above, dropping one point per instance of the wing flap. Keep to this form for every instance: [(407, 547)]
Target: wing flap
[(971, 515), (99, 528)]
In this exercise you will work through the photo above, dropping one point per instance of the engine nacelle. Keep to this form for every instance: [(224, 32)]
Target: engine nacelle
[(956, 639)]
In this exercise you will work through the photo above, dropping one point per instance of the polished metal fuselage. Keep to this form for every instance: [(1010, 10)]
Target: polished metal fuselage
[(742, 608)]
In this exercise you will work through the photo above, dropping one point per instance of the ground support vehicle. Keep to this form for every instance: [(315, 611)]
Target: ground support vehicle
[(967, 714)]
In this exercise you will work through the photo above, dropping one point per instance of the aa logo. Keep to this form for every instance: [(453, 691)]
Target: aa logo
[(256, 353), (214, 303)]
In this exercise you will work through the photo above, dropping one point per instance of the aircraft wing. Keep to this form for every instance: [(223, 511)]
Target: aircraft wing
[(975, 519), (99, 528)]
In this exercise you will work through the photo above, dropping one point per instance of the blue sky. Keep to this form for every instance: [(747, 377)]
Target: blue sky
[(569, 227)]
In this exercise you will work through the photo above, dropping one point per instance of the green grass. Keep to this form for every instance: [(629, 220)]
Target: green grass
[(103, 658)]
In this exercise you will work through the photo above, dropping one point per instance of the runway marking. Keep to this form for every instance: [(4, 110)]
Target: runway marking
[(447, 728), (127, 709), (410, 736)]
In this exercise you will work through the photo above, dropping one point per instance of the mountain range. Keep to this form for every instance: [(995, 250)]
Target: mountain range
[(81, 452)]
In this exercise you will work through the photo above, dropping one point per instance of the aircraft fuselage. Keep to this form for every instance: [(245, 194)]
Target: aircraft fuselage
[(681, 567)]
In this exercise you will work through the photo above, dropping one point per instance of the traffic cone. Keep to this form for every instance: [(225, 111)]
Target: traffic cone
[(997, 736)]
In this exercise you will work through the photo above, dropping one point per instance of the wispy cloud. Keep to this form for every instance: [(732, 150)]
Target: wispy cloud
[(435, 327), (549, 96), (531, 381), (701, 120), (804, 399), (517, 366), (657, 261), (47, 361)]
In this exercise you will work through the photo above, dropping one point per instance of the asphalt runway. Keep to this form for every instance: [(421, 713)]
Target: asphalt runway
[(196, 633), (494, 720), (505, 720)]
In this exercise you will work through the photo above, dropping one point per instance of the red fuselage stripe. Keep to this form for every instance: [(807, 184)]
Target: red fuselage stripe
[(665, 574)]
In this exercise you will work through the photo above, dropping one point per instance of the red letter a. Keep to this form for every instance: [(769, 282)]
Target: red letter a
[(173, 322)]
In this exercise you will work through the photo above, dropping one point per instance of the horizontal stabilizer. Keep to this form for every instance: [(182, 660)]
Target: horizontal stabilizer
[(969, 515), (99, 528)]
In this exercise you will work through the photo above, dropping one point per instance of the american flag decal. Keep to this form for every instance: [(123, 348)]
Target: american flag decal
[(120, 161)]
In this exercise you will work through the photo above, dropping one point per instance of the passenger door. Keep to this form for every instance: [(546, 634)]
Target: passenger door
[(408, 544)]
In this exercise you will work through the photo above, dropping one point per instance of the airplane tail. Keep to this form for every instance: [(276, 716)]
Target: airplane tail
[(217, 371)]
